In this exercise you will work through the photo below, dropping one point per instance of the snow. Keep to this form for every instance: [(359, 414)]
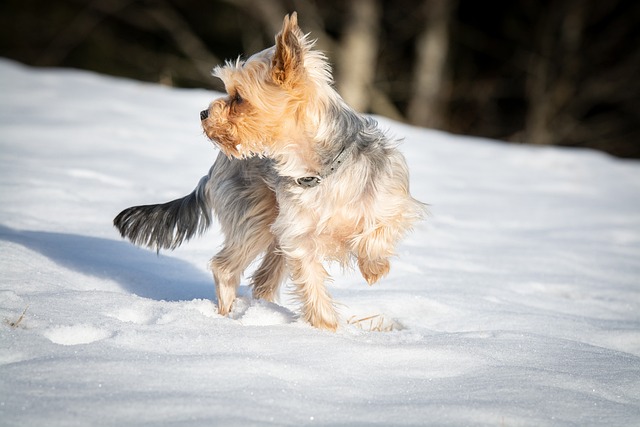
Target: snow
[(516, 303)]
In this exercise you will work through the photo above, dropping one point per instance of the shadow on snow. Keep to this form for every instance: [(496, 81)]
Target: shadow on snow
[(137, 270)]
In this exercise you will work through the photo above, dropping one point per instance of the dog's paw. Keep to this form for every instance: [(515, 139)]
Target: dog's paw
[(322, 317), (224, 309), (328, 324), (373, 270)]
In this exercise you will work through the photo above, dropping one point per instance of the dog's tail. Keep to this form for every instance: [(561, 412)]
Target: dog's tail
[(167, 225)]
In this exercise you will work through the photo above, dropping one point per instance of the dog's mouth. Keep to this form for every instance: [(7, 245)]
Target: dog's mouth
[(224, 136), (220, 140)]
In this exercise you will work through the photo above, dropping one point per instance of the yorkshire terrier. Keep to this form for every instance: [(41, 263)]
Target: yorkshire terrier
[(301, 178)]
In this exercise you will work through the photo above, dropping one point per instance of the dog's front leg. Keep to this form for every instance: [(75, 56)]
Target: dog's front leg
[(373, 251), (309, 277)]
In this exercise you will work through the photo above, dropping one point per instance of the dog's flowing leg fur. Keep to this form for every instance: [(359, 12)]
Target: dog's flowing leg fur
[(227, 266), (249, 238), (309, 277), (296, 231), (245, 207), (373, 253), (269, 276)]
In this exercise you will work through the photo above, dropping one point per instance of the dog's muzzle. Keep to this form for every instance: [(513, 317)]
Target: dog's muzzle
[(204, 114)]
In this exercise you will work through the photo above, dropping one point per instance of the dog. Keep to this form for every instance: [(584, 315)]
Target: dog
[(301, 179)]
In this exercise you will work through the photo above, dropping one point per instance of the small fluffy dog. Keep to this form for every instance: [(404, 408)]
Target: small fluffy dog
[(302, 178)]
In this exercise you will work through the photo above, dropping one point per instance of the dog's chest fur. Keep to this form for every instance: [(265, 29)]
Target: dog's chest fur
[(345, 207)]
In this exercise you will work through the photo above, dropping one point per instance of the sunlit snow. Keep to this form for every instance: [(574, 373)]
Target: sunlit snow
[(517, 302)]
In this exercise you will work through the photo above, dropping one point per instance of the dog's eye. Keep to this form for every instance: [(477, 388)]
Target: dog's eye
[(237, 99)]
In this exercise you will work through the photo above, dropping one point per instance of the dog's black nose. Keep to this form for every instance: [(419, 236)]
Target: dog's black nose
[(204, 114)]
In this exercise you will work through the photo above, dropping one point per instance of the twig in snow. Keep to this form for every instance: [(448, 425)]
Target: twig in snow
[(17, 322)]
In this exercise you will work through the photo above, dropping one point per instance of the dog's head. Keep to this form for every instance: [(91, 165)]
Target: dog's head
[(273, 99)]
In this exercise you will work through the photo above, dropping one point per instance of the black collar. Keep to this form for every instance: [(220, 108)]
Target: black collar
[(314, 180)]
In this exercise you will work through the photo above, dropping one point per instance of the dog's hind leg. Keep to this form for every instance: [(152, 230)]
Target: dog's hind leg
[(227, 266), (269, 276), (227, 269), (245, 207), (246, 238)]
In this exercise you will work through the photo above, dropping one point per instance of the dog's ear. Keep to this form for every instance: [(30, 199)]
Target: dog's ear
[(287, 62)]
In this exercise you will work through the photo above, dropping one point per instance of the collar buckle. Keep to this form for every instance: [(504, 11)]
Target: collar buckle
[(309, 181), (312, 181)]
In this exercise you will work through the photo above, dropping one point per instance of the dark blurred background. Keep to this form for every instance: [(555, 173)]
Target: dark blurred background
[(559, 72)]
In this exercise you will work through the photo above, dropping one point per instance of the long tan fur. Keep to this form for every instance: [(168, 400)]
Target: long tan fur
[(282, 122)]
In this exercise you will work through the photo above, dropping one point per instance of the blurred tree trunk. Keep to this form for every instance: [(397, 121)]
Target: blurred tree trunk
[(357, 60), (430, 81), (554, 73)]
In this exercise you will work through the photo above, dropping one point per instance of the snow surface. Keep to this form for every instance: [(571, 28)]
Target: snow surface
[(516, 303)]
